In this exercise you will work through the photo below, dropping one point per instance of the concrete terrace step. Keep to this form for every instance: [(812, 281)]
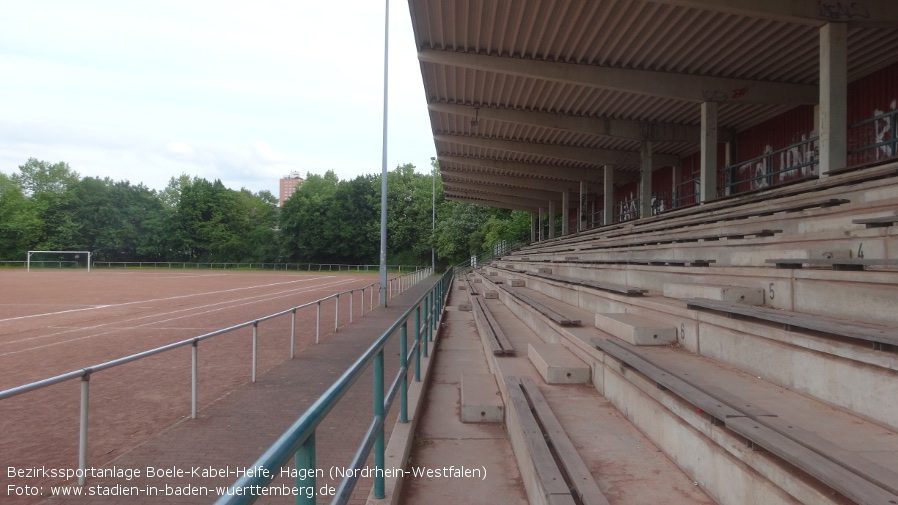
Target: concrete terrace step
[(636, 330), (480, 399), (748, 296), (842, 451), (626, 466), (557, 365)]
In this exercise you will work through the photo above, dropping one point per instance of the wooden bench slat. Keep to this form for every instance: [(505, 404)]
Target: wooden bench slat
[(496, 337), (877, 222), (812, 322), (835, 263), (829, 469), (602, 286), (542, 308), (547, 471), (579, 474)]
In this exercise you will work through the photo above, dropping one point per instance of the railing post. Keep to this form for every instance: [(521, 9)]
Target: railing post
[(362, 305), (304, 464), (193, 378), (403, 369), (293, 334), (379, 488), (318, 321), (424, 339), (371, 299), (82, 439), (351, 296), (255, 346), (418, 340), (336, 313), (433, 311)]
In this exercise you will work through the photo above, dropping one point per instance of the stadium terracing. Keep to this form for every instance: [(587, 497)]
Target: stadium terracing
[(704, 312)]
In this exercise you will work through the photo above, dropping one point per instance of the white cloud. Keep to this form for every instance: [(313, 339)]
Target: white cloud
[(245, 92)]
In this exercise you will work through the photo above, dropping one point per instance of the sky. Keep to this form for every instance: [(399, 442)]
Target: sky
[(242, 91)]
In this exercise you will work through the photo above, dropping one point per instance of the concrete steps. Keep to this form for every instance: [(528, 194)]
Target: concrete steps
[(750, 296), (625, 465), (777, 375), (865, 296), (556, 365), (636, 330), (480, 399)]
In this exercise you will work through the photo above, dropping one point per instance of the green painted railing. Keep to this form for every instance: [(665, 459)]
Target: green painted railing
[(298, 442)]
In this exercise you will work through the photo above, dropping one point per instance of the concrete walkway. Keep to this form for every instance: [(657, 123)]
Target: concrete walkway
[(443, 441), (234, 431)]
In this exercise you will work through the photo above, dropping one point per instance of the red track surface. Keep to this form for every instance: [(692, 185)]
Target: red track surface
[(53, 322)]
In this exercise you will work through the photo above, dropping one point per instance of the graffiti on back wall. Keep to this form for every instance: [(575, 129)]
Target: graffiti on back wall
[(883, 130), (773, 168)]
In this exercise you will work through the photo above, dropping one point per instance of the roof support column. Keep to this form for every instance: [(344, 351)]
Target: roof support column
[(551, 218), (565, 211), (676, 176), (581, 210), (728, 157), (833, 97), (709, 152), (608, 216), (645, 184), (533, 226), (542, 234)]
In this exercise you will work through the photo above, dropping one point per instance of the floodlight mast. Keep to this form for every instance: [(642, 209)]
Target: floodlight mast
[(383, 171)]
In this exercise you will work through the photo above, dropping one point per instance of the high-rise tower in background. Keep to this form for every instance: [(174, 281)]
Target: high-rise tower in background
[(288, 185)]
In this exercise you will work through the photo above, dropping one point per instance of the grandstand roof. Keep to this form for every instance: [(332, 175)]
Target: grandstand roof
[(527, 98)]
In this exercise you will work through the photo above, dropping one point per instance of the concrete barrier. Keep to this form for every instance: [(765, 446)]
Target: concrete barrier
[(636, 330), (557, 365)]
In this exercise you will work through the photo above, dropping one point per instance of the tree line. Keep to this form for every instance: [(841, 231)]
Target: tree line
[(49, 206)]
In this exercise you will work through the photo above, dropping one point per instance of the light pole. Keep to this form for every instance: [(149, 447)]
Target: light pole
[(383, 172), (433, 211)]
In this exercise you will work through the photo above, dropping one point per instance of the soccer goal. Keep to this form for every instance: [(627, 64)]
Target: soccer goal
[(58, 259)]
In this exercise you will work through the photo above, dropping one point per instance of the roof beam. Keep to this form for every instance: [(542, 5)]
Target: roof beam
[(868, 12), (460, 197), (528, 203), (577, 154), (509, 181), (537, 195), (526, 169), (606, 127), (690, 88)]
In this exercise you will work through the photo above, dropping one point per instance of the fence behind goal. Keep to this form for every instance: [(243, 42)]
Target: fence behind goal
[(75, 259)]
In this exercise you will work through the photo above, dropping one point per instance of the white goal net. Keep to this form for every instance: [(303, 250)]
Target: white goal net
[(58, 259)]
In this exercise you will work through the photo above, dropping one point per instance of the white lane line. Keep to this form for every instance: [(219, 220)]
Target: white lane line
[(52, 344), (257, 298), (160, 299)]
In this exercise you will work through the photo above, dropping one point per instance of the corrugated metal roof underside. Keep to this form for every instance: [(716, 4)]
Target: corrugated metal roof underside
[(626, 34)]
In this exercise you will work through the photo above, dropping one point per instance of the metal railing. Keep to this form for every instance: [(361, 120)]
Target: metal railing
[(305, 267), (298, 442), (395, 286), (627, 210), (791, 163), (873, 139), (45, 264), (686, 193)]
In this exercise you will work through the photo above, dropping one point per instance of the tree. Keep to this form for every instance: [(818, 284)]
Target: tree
[(49, 190), (456, 223), (40, 177), (20, 222), (305, 226)]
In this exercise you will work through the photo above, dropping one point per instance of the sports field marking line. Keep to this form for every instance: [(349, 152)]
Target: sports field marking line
[(256, 299), (31, 316), (279, 295)]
